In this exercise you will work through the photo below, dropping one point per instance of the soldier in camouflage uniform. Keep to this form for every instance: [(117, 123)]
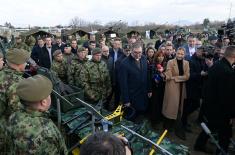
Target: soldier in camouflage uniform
[(59, 65), (68, 55), (75, 68), (30, 130), (9, 78), (20, 44), (95, 78), (30, 42)]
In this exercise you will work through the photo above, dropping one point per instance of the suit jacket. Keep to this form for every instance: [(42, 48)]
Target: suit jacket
[(187, 53), (194, 84), (44, 59), (111, 54)]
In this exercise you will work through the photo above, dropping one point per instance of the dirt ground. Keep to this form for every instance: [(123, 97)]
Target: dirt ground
[(191, 137)]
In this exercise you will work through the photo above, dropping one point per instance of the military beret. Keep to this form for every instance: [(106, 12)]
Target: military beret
[(35, 88), (81, 49), (212, 38), (57, 52), (67, 45), (1, 55), (126, 47), (96, 51), (58, 37), (17, 56)]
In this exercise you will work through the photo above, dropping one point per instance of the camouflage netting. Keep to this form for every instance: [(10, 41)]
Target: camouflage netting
[(139, 146)]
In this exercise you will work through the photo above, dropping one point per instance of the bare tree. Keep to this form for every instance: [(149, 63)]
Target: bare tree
[(206, 23), (8, 24), (78, 22)]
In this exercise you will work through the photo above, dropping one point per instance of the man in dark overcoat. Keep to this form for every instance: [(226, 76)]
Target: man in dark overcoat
[(219, 104), (134, 83)]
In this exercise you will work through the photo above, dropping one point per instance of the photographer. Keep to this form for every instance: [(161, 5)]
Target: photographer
[(219, 101), (105, 143)]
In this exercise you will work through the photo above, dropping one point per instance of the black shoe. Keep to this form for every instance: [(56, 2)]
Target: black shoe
[(181, 134), (188, 129), (203, 149)]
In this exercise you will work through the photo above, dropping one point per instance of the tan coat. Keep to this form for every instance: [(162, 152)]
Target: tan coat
[(172, 89)]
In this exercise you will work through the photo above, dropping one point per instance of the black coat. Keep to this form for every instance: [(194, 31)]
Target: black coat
[(159, 43), (117, 67), (35, 53), (43, 57), (194, 84), (61, 47), (134, 83), (74, 50), (219, 96)]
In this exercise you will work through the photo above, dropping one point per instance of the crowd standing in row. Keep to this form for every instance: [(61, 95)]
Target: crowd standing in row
[(163, 82)]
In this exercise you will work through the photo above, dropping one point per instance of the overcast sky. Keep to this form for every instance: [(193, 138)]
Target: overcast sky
[(55, 12)]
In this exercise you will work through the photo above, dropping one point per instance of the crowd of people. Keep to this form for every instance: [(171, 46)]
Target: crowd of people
[(164, 82)]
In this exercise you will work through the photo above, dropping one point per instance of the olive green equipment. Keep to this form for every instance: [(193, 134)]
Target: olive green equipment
[(163, 151)]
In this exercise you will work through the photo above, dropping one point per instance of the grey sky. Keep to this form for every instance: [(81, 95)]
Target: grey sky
[(55, 12)]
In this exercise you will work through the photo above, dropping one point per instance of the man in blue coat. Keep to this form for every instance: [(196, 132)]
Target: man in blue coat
[(134, 83), (115, 53), (190, 48)]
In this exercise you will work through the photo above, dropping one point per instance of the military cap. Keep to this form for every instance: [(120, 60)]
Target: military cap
[(81, 49), (1, 55), (17, 56), (96, 51), (212, 37), (67, 45), (57, 52), (126, 47), (35, 88), (58, 37)]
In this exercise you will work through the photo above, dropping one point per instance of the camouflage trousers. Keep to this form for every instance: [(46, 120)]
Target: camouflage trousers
[(4, 146)]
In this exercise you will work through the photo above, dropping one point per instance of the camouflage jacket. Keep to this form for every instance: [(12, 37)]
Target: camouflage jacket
[(61, 70), (33, 132), (22, 46), (9, 101), (95, 80), (68, 58), (74, 71)]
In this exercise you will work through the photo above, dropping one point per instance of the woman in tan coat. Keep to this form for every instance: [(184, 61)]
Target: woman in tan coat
[(176, 74)]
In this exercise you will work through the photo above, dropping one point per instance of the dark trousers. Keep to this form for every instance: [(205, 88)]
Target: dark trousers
[(155, 105), (190, 106), (224, 131), (116, 93)]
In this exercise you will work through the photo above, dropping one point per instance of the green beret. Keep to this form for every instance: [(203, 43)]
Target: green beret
[(96, 51), (17, 56), (1, 55), (81, 49), (57, 52), (34, 89)]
